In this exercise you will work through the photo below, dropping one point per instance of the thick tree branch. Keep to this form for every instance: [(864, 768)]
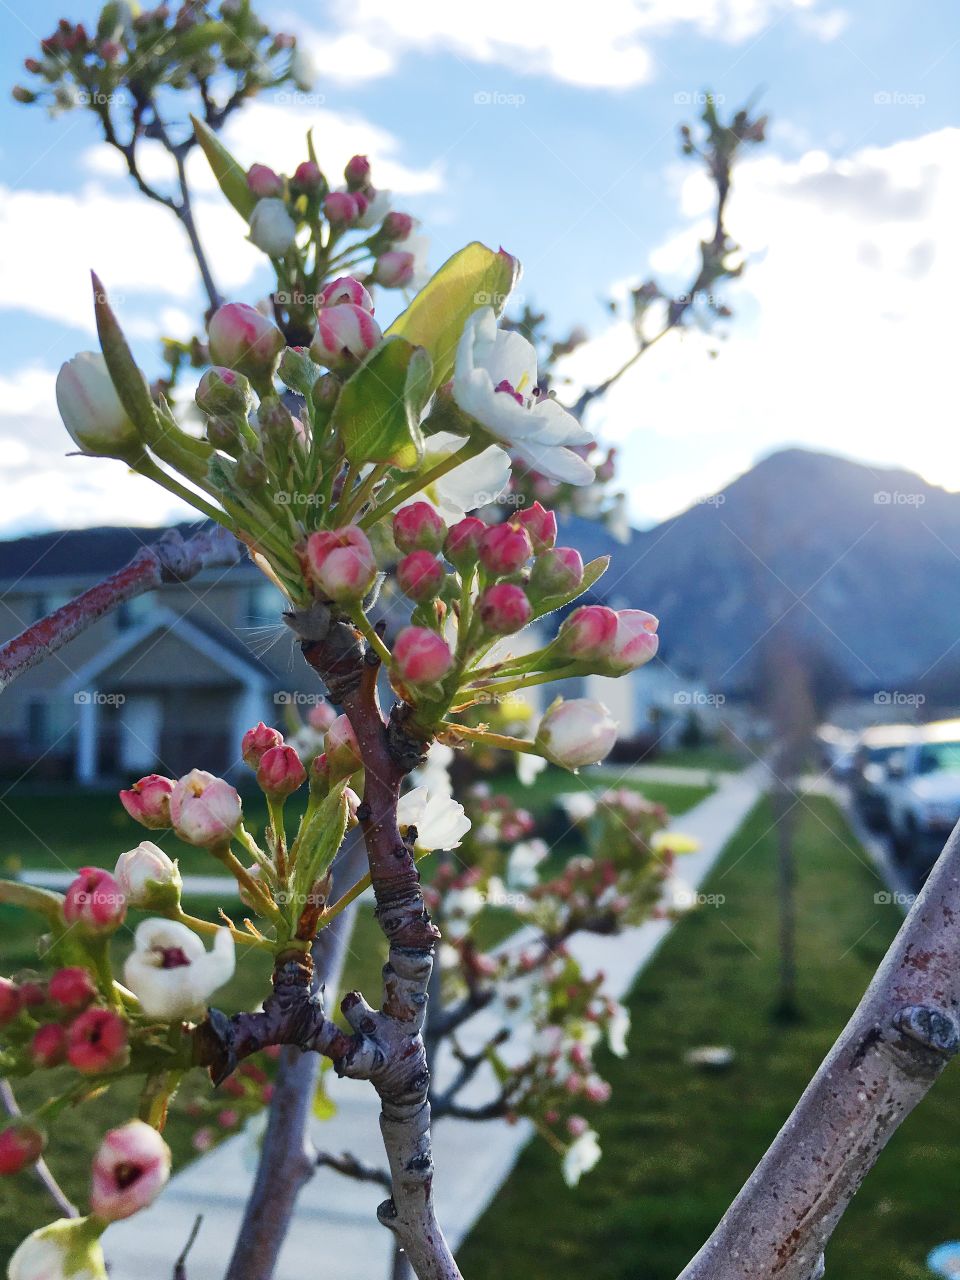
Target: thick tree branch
[(171, 559), (891, 1052), (387, 1046)]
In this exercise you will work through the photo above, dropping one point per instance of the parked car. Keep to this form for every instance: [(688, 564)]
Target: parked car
[(923, 793), (869, 775)]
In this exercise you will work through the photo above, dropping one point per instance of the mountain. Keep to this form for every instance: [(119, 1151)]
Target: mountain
[(858, 566)]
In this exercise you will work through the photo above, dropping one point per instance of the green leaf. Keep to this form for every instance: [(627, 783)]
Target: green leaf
[(229, 173), (475, 277), (317, 844), (377, 415), (592, 572), (131, 385)]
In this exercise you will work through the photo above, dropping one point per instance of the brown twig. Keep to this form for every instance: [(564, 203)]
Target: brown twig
[(8, 1100), (171, 559)]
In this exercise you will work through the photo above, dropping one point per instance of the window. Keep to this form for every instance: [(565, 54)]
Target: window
[(133, 611), (263, 606)]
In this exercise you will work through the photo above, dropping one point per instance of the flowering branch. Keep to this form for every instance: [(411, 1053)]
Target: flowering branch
[(171, 559), (904, 1032)]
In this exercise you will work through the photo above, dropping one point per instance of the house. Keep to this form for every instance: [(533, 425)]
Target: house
[(168, 681), (172, 679)]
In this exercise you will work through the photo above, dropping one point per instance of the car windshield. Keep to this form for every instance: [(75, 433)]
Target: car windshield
[(936, 756)]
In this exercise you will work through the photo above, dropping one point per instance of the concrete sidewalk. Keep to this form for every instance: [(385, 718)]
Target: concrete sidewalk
[(335, 1215)]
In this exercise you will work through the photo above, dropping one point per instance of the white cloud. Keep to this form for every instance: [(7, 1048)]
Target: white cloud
[(45, 488), (606, 48), (846, 332)]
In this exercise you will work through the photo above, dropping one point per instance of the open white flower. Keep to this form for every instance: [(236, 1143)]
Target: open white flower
[(378, 206), (529, 768), (471, 485), (172, 973), (440, 821), (523, 862), (579, 806), (435, 772), (580, 1157), (495, 382), (618, 1028)]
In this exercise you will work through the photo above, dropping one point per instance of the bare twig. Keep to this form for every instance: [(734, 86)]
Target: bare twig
[(902, 1035), (171, 559), (8, 1100), (351, 1167), (180, 1266)]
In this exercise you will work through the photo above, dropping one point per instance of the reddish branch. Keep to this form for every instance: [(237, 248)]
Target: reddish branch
[(171, 559), (891, 1052), (386, 1046)]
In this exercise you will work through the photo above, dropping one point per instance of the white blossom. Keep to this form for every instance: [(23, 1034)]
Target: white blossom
[(172, 973), (580, 1157), (440, 820)]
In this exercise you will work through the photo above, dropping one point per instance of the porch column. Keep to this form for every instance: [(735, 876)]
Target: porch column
[(88, 737), (249, 706)]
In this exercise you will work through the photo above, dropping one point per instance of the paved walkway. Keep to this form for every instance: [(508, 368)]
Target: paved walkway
[(335, 1216), (197, 886)]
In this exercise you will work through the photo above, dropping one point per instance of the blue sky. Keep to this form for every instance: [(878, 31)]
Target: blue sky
[(552, 129)]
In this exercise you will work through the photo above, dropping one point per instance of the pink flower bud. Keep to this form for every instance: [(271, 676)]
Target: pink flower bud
[(556, 572), (418, 527), (504, 609), (205, 810), (345, 334), (341, 208), (579, 1056), (588, 634), (357, 171), (397, 226), (321, 717), (258, 740), (420, 656), (342, 750), (308, 178), (10, 1002), (394, 269), (148, 801), (345, 289), (540, 524), (420, 575), (504, 549), (97, 1041), (20, 1145), (48, 1048), (597, 1090), (241, 338), (130, 1170), (94, 902), (576, 733), (462, 545), (340, 563), (263, 182), (635, 641), (72, 988), (280, 772), (223, 391)]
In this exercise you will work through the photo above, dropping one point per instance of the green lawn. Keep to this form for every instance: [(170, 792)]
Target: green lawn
[(678, 1143)]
